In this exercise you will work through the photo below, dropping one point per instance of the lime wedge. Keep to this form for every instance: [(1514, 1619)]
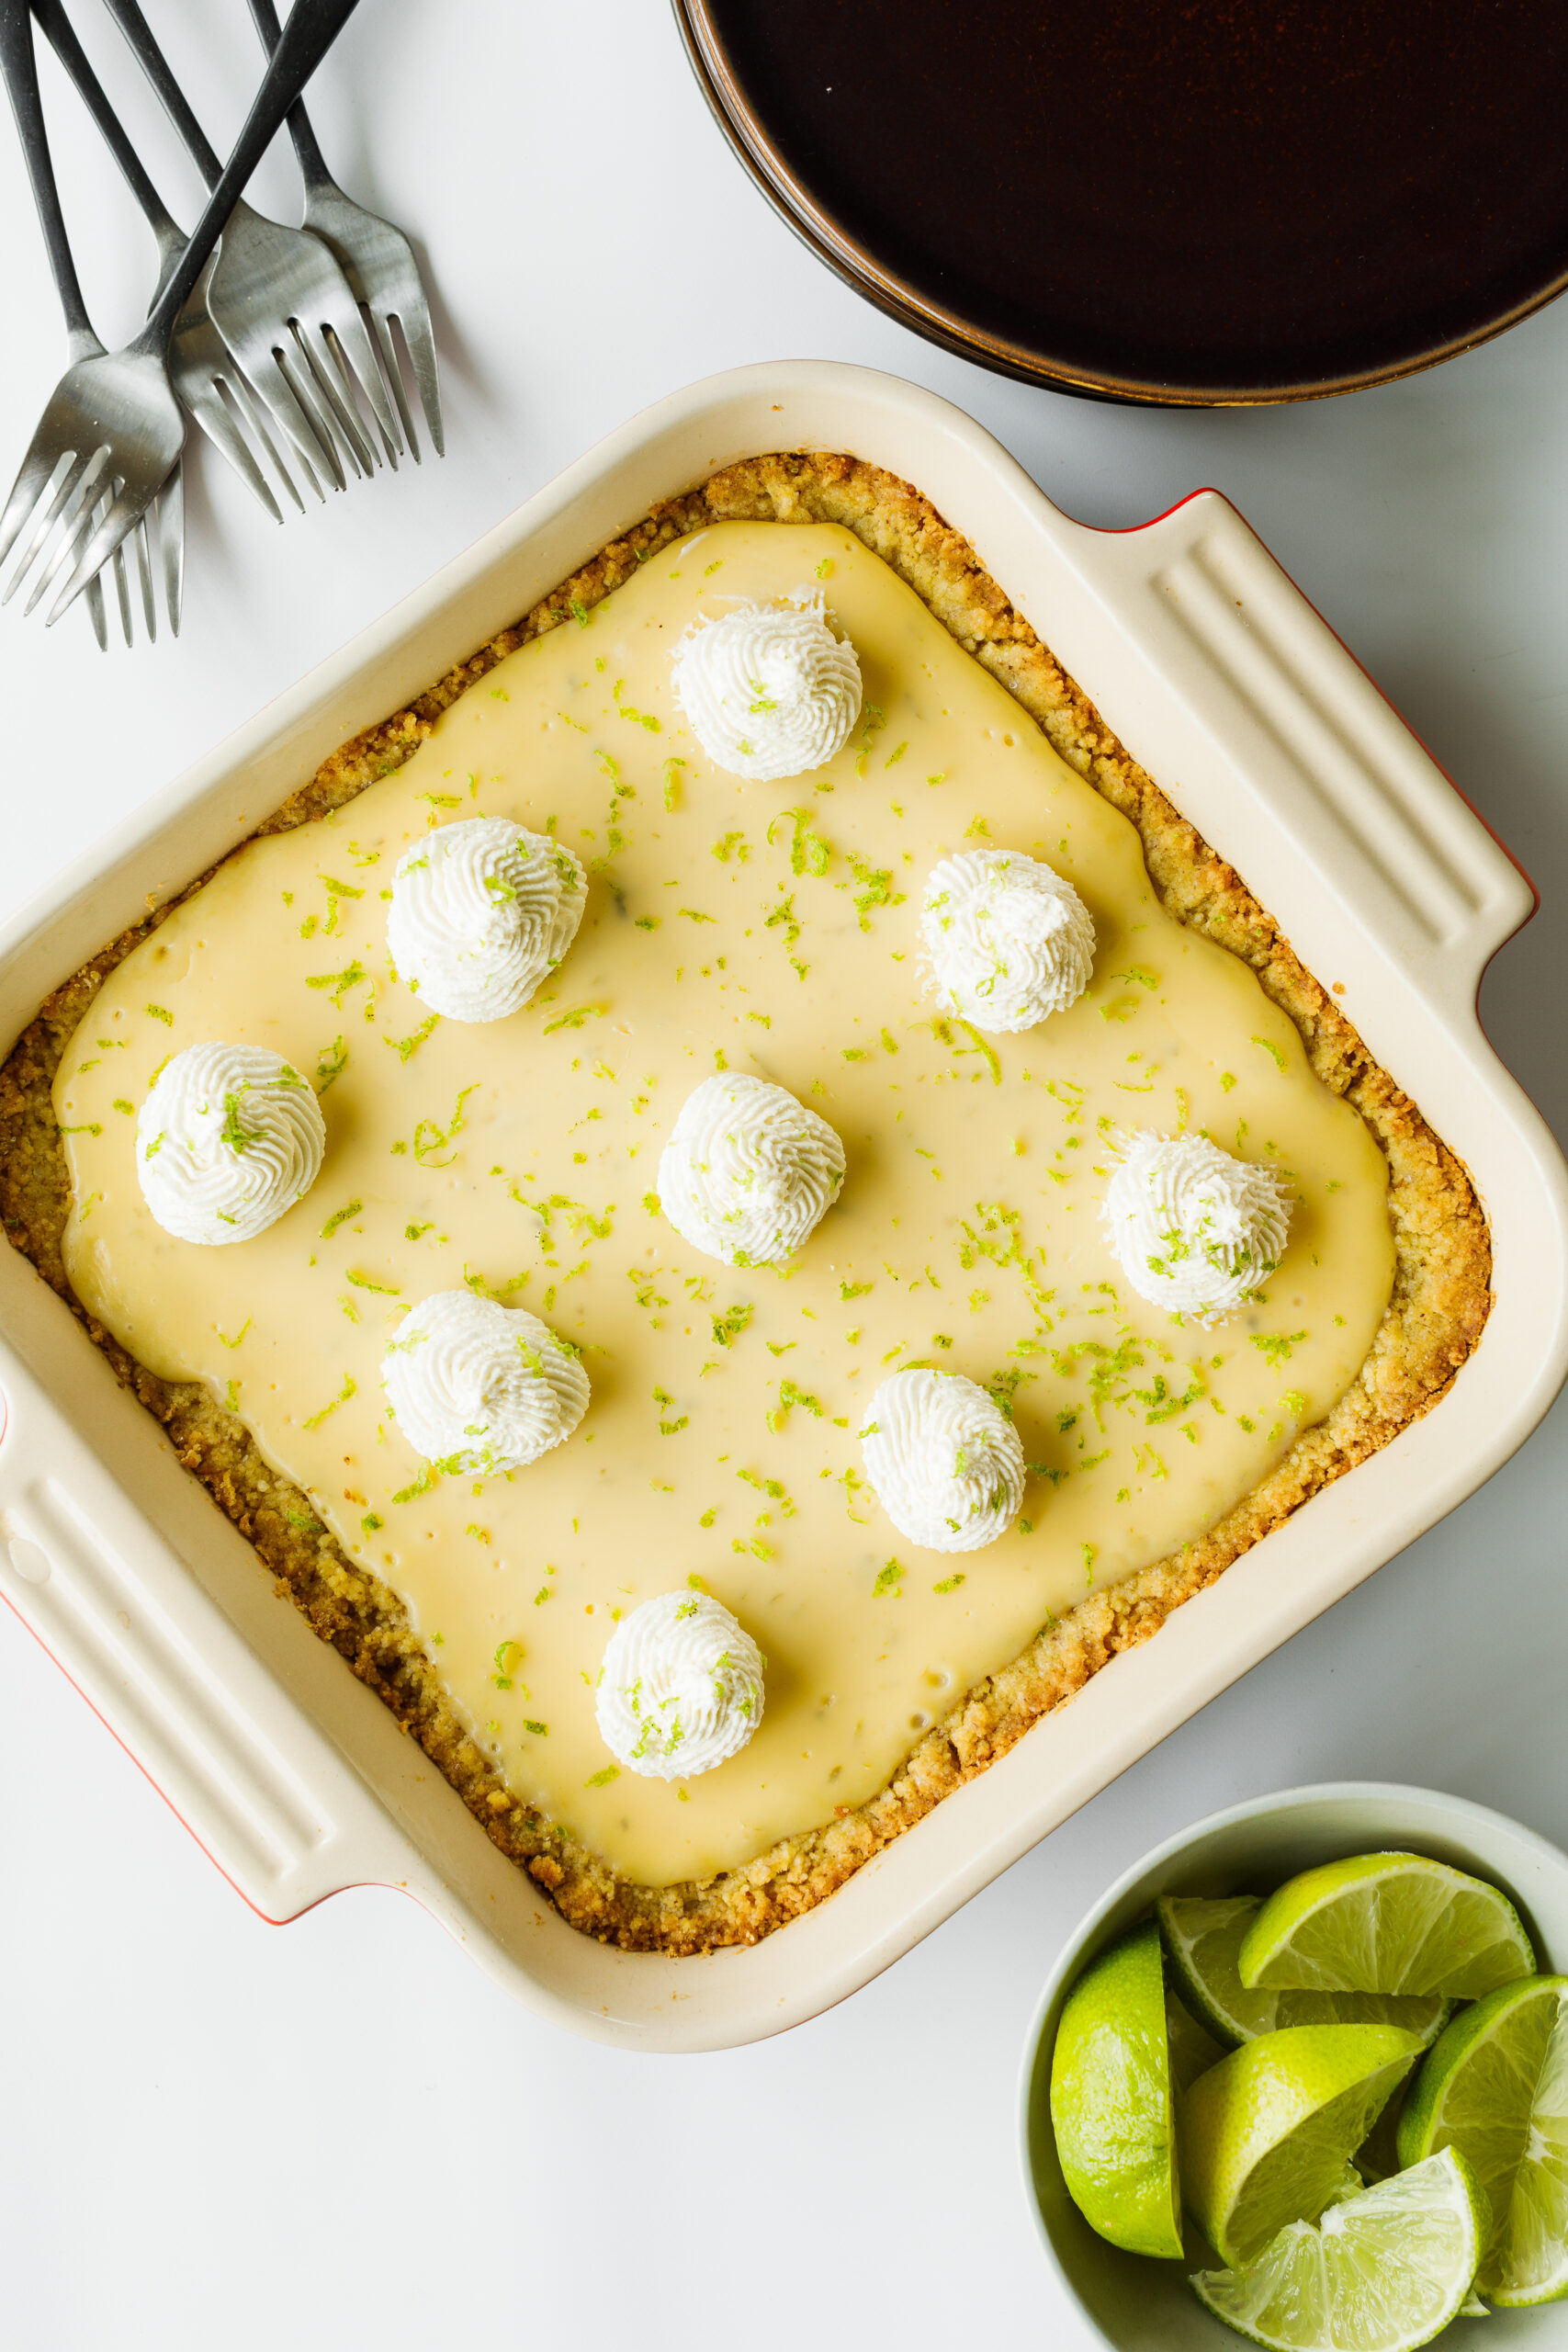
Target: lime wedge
[(1112, 2107), (1267, 2134), (1495, 2088), (1383, 2272), (1202, 1939), (1385, 1923)]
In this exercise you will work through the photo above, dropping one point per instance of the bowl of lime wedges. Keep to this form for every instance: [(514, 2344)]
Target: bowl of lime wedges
[(1300, 2078)]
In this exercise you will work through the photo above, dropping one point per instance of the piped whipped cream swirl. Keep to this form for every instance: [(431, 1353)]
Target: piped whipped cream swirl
[(768, 690), (944, 1459), (1195, 1230), (748, 1172), (1009, 941), (681, 1687), (228, 1139), (477, 1387), (481, 911)]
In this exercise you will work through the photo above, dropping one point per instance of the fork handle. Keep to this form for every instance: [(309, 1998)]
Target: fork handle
[(68, 49), (312, 164), (312, 26), (20, 65), (155, 65)]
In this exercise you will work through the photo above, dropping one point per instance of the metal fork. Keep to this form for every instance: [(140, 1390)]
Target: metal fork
[(20, 65), (199, 362), (114, 421), (279, 301), (375, 258)]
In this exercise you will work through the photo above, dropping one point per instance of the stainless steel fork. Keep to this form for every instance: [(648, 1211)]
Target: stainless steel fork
[(20, 65), (200, 363), (279, 300), (376, 259), (114, 421)]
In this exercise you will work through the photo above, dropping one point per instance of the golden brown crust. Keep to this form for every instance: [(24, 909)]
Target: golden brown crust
[(1441, 1290)]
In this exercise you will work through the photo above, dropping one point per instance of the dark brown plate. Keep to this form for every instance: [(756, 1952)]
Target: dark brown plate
[(1199, 201)]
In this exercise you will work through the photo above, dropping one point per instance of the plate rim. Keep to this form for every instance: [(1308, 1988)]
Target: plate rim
[(891, 294)]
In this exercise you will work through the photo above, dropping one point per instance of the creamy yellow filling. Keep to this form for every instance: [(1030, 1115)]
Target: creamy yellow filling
[(770, 927)]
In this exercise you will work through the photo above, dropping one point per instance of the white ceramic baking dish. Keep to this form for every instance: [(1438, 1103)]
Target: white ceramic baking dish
[(1225, 683)]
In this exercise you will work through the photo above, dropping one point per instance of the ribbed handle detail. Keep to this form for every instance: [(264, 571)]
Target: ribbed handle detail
[(162, 1687), (1217, 603), (1362, 803)]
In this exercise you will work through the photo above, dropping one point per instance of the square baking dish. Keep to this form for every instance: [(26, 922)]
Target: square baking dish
[(1223, 681)]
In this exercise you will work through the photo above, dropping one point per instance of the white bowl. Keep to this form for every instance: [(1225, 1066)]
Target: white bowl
[(1136, 2304)]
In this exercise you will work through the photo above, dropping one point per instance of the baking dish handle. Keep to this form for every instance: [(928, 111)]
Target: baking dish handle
[(270, 1799), (1211, 649)]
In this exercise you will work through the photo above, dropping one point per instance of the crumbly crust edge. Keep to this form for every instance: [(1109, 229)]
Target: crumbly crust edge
[(1440, 1299)]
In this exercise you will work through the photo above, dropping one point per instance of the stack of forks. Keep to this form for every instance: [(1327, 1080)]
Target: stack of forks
[(281, 345)]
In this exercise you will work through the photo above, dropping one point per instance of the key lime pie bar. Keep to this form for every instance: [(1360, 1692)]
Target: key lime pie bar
[(734, 1203)]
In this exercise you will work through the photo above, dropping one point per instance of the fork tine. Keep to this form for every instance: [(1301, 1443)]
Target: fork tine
[(59, 516), (414, 321), (86, 503), (64, 478), (139, 540), (205, 402), (172, 544), (130, 503), (296, 372), (94, 599), (347, 329), (381, 328), (335, 386), (335, 397), (115, 568), (253, 411), (341, 362), (310, 478), (312, 437), (36, 475)]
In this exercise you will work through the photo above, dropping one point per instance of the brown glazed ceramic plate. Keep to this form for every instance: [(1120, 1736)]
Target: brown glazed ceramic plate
[(1196, 202)]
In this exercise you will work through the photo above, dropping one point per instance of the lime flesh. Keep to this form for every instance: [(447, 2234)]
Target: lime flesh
[(1381, 2272), (1385, 1923), (1495, 2088), (1203, 1938), (1112, 2106), (1267, 2134)]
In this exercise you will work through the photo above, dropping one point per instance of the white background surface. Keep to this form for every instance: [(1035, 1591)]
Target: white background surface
[(221, 2133)]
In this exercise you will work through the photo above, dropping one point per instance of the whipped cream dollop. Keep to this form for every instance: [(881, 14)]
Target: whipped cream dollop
[(477, 1387), (944, 1459), (681, 1687), (481, 911), (1009, 941), (768, 690), (228, 1138), (1195, 1230), (748, 1172)]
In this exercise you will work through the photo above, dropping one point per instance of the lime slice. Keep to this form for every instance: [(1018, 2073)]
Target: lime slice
[(1202, 1939), (1385, 1923), (1495, 2088), (1382, 2272), (1111, 2098), (1267, 2134)]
